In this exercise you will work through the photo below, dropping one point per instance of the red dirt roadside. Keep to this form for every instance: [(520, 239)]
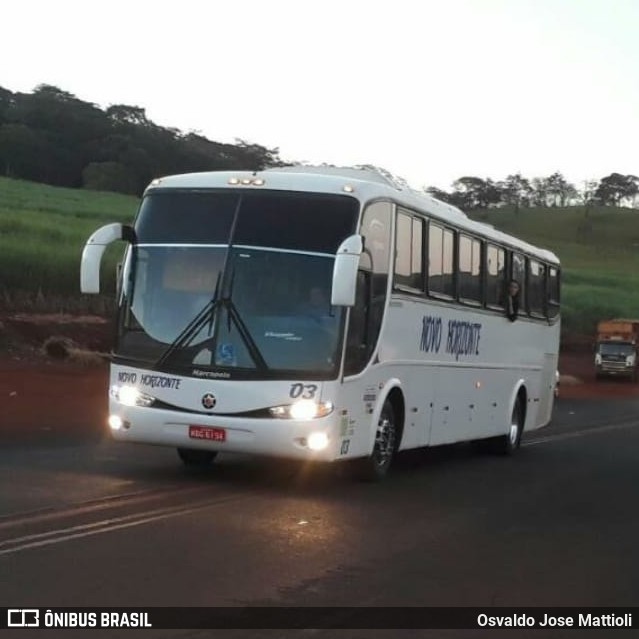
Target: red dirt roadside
[(578, 381), (45, 397)]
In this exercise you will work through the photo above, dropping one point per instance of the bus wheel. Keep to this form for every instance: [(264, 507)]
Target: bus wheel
[(191, 457), (509, 443), (376, 466)]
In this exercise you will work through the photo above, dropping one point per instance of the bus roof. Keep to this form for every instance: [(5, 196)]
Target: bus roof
[(365, 183)]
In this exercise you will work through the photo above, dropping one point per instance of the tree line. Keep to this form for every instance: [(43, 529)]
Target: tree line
[(470, 193), (51, 136)]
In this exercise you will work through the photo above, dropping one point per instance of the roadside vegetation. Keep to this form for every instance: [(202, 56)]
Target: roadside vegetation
[(43, 230), (51, 136), (599, 250)]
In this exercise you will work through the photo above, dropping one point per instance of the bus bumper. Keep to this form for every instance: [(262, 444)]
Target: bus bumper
[(259, 436)]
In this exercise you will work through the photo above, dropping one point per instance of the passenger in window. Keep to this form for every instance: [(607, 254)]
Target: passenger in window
[(512, 300), (317, 304)]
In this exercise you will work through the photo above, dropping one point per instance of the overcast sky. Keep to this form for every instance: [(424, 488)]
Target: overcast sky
[(431, 90)]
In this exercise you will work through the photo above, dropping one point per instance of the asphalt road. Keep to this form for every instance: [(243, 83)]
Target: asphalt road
[(98, 524)]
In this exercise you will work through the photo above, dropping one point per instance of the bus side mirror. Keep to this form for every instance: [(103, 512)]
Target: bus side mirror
[(345, 271), (93, 251)]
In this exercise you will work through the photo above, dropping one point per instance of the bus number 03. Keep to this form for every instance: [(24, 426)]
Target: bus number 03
[(305, 391)]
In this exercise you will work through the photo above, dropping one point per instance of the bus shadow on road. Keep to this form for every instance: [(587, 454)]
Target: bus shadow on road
[(308, 477)]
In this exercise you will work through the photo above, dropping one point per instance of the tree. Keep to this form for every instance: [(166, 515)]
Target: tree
[(616, 187), (559, 189), (48, 91), (474, 193), (125, 114), (439, 194), (109, 176), (65, 125), (21, 152), (540, 192), (6, 104), (587, 193), (52, 136), (257, 157), (516, 191)]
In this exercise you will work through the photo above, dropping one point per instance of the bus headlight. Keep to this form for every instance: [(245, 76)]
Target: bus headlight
[(302, 409), (317, 441), (131, 396), (115, 422)]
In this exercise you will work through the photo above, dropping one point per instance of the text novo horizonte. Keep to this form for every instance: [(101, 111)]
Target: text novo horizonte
[(152, 381), (462, 337)]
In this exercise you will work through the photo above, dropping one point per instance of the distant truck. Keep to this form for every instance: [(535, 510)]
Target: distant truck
[(616, 348)]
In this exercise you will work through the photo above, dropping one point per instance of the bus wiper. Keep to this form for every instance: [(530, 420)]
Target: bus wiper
[(191, 329), (247, 338), (233, 316)]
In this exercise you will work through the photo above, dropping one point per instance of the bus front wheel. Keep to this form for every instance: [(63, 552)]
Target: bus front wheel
[(376, 466), (191, 457)]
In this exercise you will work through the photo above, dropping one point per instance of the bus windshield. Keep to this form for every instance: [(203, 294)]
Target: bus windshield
[(235, 284)]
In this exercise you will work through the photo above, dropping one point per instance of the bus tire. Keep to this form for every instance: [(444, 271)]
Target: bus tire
[(507, 444), (376, 466), (196, 458)]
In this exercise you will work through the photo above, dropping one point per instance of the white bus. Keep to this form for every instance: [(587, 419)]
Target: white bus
[(323, 314)]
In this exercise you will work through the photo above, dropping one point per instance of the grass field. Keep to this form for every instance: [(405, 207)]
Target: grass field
[(43, 230), (599, 251)]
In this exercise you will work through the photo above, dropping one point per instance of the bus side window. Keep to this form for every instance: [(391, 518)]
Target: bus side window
[(372, 278), (469, 269), (441, 269), (357, 344), (409, 258), (518, 272), (537, 288), (553, 292), (495, 276)]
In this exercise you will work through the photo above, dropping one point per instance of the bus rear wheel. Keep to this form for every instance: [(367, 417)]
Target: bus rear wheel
[(196, 458), (507, 444), (376, 466)]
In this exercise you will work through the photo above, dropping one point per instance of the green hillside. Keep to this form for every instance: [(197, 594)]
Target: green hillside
[(599, 251), (43, 230)]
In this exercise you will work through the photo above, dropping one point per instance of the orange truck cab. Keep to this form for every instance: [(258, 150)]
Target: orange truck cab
[(616, 348)]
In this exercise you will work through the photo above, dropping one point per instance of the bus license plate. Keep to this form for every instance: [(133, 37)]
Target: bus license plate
[(207, 432)]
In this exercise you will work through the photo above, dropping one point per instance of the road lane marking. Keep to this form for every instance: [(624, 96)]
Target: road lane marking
[(46, 538), (581, 433), (110, 502), (46, 512), (49, 537)]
